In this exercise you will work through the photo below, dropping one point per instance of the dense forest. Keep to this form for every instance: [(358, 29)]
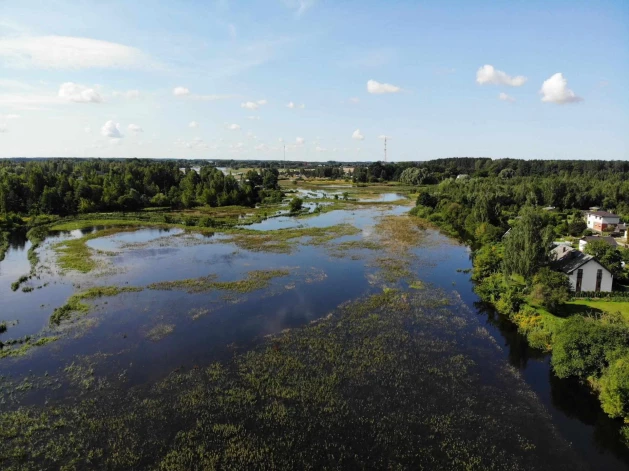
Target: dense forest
[(65, 187)]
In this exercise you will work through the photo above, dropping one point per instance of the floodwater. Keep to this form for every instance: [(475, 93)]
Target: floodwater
[(210, 326)]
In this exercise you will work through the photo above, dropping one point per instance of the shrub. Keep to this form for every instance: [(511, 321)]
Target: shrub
[(551, 289), (295, 204), (614, 385)]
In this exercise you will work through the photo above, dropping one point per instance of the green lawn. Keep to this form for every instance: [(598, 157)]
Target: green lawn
[(582, 306)]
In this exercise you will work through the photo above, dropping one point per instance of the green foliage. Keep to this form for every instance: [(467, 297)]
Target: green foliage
[(576, 227), (527, 245), (614, 388), (606, 255), (295, 204), (584, 347), (550, 289)]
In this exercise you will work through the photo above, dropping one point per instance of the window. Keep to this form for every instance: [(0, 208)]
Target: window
[(599, 279), (579, 280)]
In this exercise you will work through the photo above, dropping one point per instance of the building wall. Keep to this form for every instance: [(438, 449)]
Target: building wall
[(589, 278), (600, 223)]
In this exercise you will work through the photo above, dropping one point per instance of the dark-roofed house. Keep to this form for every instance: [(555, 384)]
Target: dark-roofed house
[(584, 272), (601, 220), (586, 239)]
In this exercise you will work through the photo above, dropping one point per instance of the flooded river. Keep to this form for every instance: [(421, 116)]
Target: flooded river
[(139, 337)]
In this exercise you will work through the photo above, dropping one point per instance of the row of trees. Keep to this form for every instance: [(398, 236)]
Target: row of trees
[(65, 187)]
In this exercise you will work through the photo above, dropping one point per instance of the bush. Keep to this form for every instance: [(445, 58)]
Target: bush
[(614, 385), (584, 347), (295, 204), (576, 227), (551, 289)]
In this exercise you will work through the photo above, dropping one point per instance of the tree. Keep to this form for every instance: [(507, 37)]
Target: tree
[(550, 289), (527, 246), (606, 255), (426, 199), (615, 388), (576, 227), (295, 204)]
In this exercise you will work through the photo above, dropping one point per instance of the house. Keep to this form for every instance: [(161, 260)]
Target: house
[(348, 170), (601, 220), (584, 272), (584, 241), (462, 176)]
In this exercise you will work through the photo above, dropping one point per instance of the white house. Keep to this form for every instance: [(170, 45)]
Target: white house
[(601, 220), (585, 240), (584, 272)]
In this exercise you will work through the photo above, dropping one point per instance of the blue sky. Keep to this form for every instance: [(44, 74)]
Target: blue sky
[(227, 79)]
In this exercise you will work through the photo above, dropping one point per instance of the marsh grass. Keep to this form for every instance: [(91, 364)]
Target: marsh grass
[(160, 331), (255, 280), (75, 305), (21, 348)]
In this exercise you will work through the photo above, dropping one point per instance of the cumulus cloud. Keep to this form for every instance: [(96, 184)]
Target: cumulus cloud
[(320, 149), (488, 75), (504, 97), (280, 140), (380, 88), (129, 94), (193, 124), (181, 91), (555, 90), (64, 52), (111, 130), (135, 129), (250, 105), (357, 135), (71, 91), (300, 141), (262, 102), (234, 127), (290, 105)]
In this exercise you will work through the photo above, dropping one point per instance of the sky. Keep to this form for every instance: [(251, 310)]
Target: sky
[(318, 80)]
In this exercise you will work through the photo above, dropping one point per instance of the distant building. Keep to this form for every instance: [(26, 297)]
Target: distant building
[(462, 176), (585, 240), (584, 272), (601, 220), (348, 170)]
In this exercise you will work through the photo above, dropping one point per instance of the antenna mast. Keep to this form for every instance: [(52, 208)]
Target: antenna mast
[(385, 149)]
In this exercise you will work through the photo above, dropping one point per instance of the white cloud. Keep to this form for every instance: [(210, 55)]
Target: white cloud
[(262, 102), (380, 88), (384, 136), (555, 90), (357, 135), (504, 97), (88, 129), (262, 147), (253, 117), (129, 94), (3, 128), (237, 146), (488, 75), (250, 105), (9, 116), (280, 140), (181, 91), (234, 127), (300, 141), (193, 124), (302, 106), (64, 52), (290, 105), (321, 149), (135, 129), (300, 6), (111, 130), (14, 84), (78, 93), (196, 143), (354, 100)]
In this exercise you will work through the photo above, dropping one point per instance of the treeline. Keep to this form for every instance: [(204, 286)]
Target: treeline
[(65, 187), (504, 220)]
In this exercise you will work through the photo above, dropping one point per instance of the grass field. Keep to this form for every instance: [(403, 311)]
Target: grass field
[(582, 306)]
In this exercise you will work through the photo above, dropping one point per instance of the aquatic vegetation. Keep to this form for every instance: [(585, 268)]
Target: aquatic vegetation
[(385, 368), (284, 240), (22, 347), (160, 331), (74, 304), (16, 284), (3, 327), (254, 281)]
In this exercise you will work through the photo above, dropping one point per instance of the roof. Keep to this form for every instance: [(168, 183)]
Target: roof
[(605, 214), (610, 240), (571, 263)]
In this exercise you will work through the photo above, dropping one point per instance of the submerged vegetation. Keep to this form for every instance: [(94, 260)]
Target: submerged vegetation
[(75, 304), (293, 401), (254, 281)]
